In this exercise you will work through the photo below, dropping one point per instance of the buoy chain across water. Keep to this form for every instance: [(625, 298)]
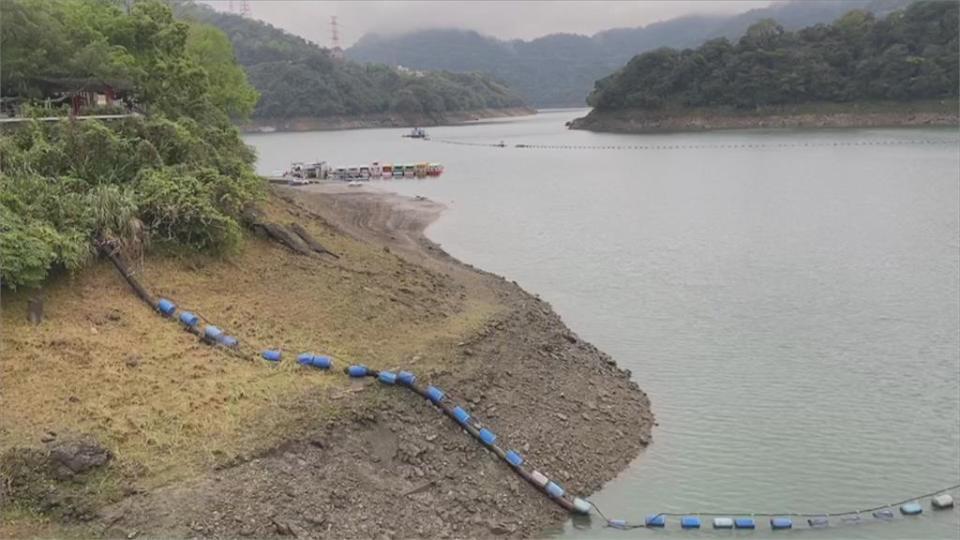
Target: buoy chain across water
[(703, 146), (213, 335), (939, 500)]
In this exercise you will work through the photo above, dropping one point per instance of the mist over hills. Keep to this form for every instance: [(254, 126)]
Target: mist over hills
[(559, 70)]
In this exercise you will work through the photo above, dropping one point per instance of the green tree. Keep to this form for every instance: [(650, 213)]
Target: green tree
[(179, 176), (909, 55)]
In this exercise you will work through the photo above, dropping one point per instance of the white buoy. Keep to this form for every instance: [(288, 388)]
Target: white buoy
[(722, 523), (581, 506), (539, 478), (944, 500)]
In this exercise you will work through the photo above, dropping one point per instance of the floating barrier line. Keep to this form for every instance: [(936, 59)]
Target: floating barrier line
[(625, 525), (214, 336), (807, 514), (696, 146), (478, 431)]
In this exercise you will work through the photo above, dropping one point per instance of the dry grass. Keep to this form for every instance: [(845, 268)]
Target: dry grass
[(187, 407)]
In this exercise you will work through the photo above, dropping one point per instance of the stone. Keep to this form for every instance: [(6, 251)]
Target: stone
[(79, 455)]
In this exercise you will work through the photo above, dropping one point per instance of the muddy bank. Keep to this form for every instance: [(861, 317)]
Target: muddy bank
[(355, 459), (632, 121), (380, 120)]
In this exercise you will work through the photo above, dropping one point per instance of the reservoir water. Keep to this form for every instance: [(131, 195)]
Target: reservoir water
[(791, 305)]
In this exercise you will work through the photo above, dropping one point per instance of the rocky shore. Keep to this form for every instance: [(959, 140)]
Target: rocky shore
[(380, 120), (636, 121), (352, 459)]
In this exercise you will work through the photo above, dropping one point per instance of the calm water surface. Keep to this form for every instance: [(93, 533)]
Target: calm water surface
[(793, 311)]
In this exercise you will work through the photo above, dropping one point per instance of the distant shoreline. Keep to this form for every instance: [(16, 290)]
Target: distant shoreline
[(333, 123), (826, 115)]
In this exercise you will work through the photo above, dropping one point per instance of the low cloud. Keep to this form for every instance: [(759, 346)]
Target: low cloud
[(502, 19)]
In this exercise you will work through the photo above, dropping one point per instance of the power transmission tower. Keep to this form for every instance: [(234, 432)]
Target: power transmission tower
[(335, 50), (239, 7)]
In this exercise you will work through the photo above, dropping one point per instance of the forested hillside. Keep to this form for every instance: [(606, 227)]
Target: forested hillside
[(907, 55), (560, 69), (178, 176), (297, 78)]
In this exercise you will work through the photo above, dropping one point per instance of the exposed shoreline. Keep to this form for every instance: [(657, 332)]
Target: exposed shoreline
[(517, 368), (332, 123), (832, 116)]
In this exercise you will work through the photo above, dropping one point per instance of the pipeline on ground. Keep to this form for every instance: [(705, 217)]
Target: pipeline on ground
[(215, 336)]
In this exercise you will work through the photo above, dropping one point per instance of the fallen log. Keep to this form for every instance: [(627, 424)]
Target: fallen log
[(311, 241), (278, 233)]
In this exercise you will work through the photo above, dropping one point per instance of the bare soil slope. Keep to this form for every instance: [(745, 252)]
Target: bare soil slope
[(209, 445)]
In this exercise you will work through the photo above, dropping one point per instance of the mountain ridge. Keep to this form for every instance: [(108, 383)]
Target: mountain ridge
[(559, 69), (298, 79)]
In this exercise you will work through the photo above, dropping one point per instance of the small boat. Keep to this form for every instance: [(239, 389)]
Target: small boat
[(420, 170), (386, 171), (310, 172), (354, 183), (376, 171), (434, 170), (408, 171), (417, 133)]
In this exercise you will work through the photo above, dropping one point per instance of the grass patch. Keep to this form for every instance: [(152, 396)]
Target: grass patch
[(169, 407)]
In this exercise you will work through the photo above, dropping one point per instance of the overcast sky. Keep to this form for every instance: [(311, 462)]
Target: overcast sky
[(502, 19)]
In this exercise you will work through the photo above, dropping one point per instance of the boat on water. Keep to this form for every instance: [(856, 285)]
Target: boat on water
[(306, 173), (417, 133), (354, 183)]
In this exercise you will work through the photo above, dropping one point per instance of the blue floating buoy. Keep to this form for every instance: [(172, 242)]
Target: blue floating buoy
[(818, 523), (745, 523), (487, 437), (883, 514), (514, 458), (461, 415), (305, 359), (554, 490), (689, 522), (434, 394), (407, 378), (656, 520), (321, 361), (189, 319), (271, 355), (722, 523), (387, 377), (228, 341), (780, 523), (212, 333), (911, 509), (357, 370), (166, 307), (617, 523)]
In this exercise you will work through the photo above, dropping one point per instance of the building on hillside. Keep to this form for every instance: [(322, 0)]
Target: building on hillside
[(81, 94)]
